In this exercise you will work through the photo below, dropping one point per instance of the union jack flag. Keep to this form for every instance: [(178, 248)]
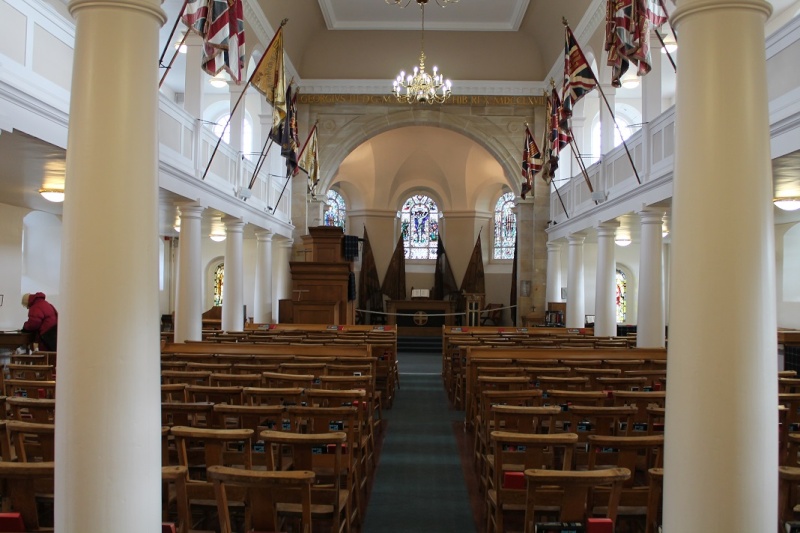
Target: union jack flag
[(655, 12), (559, 136), (628, 24), (531, 162), (578, 76), (221, 25)]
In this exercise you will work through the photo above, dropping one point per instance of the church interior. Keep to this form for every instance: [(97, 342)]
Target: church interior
[(464, 248)]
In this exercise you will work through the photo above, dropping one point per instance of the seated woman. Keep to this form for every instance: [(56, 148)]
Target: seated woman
[(42, 321)]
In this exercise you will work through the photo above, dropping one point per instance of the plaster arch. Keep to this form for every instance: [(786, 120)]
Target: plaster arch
[(479, 129)]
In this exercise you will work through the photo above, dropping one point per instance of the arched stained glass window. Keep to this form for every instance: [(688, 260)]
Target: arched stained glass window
[(505, 227), (419, 224), (336, 211), (622, 293), (219, 275)]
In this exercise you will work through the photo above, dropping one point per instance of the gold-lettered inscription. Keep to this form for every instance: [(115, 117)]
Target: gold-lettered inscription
[(378, 99)]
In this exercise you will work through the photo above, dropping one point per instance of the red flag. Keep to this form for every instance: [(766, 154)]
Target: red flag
[(578, 76), (531, 162), (221, 25)]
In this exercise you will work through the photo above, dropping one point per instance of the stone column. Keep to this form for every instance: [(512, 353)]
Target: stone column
[(605, 308), (720, 469), (108, 456), (553, 272), (189, 302), (576, 300), (262, 313), (233, 284), (282, 286), (524, 259), (650, 320)]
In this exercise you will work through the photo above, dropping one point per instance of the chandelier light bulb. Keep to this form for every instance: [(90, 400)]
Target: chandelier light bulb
[(787, 204)]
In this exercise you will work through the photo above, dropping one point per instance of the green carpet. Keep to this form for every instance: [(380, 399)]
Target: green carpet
[(419, 483)]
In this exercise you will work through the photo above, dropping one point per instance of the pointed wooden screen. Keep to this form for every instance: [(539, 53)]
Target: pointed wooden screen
[(513, 297), (370, 296), (394, 282), (444, 282), (474, 281)]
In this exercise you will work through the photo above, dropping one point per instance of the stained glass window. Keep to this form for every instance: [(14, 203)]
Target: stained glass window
[(505, 227), (336, 211), (622, 293), (419, 224), (219, 274)]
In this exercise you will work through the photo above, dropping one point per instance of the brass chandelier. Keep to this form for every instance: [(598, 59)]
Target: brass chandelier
[(421, 87)]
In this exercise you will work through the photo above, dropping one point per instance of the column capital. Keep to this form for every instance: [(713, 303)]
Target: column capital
[(607, 229), (264, 235), (189, 209), (651, 215), (233, 224), (577, 238), (287, 243), (553, 246)]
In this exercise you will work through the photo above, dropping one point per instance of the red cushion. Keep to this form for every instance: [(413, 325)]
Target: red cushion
[(599, 525), (514, 480), (11, 522)]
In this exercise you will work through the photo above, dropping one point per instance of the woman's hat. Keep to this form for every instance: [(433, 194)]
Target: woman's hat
[(25, 298)]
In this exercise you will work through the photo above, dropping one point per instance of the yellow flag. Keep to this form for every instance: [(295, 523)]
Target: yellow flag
[(309, 160), (270, 78)]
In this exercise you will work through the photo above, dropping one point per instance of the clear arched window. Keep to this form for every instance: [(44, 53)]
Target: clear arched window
[(419, 224), (247, 134), (219, 275), (622, 293), (336, 211), (505, 227)]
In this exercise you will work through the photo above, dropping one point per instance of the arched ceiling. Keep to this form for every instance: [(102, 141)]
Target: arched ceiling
[(381, 172)]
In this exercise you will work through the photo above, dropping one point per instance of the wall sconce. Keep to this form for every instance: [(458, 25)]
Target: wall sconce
[(525, 288), (217, 237), (622, 241), (52, 195), (791, 203)]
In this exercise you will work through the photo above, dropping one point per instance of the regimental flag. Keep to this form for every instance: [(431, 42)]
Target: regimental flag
[(288, 134), (221, 25), (474, 281), (628, 24), (558, 137), (531, 162), (578, 76), (308, 161), (370, 297), (444, 282), (394, 281), (270, 80)]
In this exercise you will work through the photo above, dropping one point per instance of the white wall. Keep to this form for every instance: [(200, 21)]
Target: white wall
[(787, 263), (12, 314)]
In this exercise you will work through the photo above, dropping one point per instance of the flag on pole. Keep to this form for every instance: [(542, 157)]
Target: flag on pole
[(628, 24), (270, 80), (308, 161), (558, 138), (221, 25), (578, 76), (531, 162), (288, 134)]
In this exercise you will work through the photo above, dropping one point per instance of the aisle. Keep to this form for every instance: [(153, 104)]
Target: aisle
[(419, 484)]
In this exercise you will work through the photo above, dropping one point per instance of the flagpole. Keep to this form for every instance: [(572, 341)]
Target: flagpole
[(238, 100), (621, 136), (303, 149), (260, 162), (288, 177), (579, 158), (669, 56), (174, 57), (172, 33)]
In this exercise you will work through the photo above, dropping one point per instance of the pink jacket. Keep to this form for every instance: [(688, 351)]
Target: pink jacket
[(41, 315)]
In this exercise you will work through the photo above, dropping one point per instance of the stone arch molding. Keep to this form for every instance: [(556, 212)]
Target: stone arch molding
[(501, 143)]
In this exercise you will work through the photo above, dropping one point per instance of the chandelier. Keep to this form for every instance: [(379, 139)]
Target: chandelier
[(442, 3), (421, 87)]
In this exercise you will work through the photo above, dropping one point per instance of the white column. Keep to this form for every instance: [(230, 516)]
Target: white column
[(236, 126), (316, 210), (262, 314), (233, 284), (607, 127), (650, 319), (721, 427), (282, 288), (193, 79), (576, 300), (189, 301), (553, 290), (525, 258), (605, 308), (108, 444), (651, 84)]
